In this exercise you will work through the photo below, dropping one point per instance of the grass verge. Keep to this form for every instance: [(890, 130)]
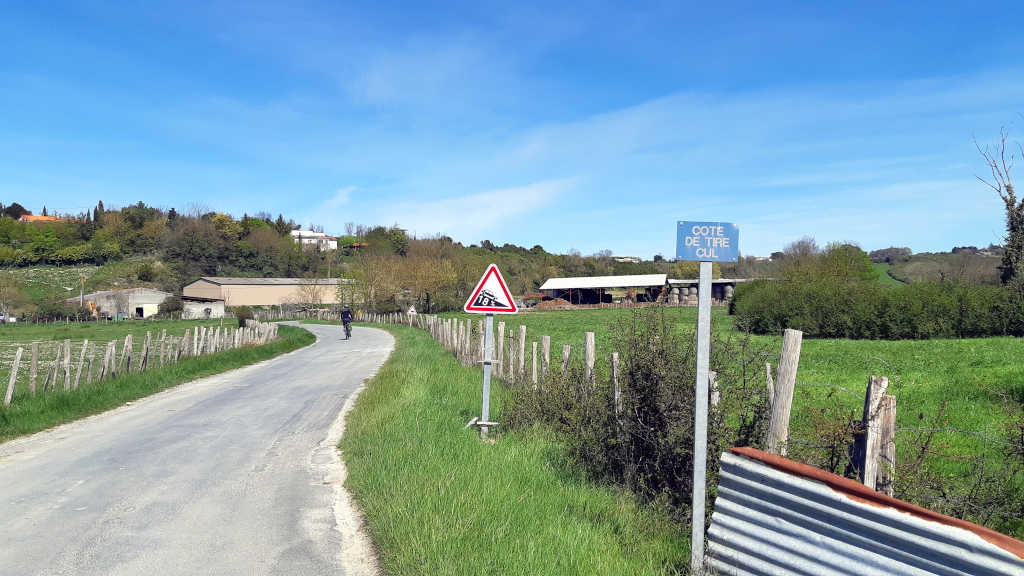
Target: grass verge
[(440, 501), (32, 414)]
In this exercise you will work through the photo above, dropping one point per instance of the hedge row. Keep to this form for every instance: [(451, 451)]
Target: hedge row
[(868, 310)]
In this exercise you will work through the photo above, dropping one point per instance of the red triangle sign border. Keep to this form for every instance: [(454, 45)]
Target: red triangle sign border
[(468, 307)]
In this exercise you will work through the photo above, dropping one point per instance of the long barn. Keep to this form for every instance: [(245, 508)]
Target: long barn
[(263, 291), (601, 289)]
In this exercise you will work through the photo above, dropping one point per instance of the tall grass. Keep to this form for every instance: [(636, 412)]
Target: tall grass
[(440, 501)]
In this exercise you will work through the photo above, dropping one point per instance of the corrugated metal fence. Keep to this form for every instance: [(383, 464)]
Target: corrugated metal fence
[(776, 516)]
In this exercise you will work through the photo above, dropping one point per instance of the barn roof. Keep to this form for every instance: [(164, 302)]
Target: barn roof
[(222, 280), (595, 282)]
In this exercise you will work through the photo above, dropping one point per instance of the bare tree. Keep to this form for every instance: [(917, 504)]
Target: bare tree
[(1000, 163), (311, 291)]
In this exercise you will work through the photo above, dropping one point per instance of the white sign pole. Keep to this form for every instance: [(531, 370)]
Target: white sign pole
[(700, 430), (485, 411)]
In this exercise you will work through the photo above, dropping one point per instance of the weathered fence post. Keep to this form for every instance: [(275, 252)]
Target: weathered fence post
[(533, 373), (67, 365), (13, 378), (51, 382), (33, 367), (616, 390), (501, 347), (782, 404), (770, 383), (92, 355), (545, 347), (566, 350), (144, 361), (871, 439), (521, 358), (887, 441), (715, 396), (81, 364), (589, 354)]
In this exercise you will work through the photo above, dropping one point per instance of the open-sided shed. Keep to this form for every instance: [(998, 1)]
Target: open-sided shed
[(600, 289)]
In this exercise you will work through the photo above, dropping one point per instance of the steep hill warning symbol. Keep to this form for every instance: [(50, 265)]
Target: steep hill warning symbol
[(491, 295)]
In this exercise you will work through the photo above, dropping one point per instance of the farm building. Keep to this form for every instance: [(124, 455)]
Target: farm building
[(263, 291), (606, 289), (127, 303), (199, 308)]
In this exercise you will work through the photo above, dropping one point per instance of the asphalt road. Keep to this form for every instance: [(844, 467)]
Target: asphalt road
[(218, 476)]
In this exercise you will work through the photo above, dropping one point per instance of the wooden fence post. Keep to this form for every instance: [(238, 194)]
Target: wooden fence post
[(887, 441), (501, 347), (566, 350), (616, 390), (144, 361), (51, 381), (92, 355), (533, 372), (33, 367), (67, 365), (589, 353), (13, 378), (782, 405), (715, 396), (511, 360), (545, 347), (770, 383), (871, 440), (81, 364), (521, 357)]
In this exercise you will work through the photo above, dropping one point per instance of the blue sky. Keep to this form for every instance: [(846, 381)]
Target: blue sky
[(592, 126)]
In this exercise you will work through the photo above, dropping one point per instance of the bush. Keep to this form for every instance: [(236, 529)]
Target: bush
[(145, 272), (649, 446), (863, 310), (171, 305), (243, 313)]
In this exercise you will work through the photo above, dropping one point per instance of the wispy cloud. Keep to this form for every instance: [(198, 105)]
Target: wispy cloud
[(471, 217)]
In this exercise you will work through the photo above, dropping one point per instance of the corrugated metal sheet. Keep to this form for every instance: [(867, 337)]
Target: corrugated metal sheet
[(769, 520), (595, 282)]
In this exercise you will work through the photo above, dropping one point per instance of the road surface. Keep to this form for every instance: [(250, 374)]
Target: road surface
[(219, 476)]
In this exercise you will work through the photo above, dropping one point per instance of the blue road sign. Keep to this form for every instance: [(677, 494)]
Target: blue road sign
[(707, 241)]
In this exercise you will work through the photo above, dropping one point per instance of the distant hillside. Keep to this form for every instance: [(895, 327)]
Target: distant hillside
[(968, 264)]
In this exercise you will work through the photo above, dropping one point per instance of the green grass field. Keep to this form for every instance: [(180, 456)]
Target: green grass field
[(884, 278), (28, 414), (969, 375), (439, 501)]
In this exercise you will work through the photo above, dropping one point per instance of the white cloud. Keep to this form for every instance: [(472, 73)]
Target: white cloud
[(474, 217), (341, 198)]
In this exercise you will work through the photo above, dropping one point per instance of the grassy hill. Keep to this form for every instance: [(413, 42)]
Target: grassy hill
[(884, 276)]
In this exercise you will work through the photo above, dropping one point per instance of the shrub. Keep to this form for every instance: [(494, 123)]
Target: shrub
[(243, 313), (171, 305), (145, 272), (864, 310), (648, 447)]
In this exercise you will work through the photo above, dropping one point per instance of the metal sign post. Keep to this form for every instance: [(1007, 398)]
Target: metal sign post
[(485, 410), (700, 420), (705, 242)]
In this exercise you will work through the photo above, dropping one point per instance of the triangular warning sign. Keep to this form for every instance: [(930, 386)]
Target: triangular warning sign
[(491, 295)]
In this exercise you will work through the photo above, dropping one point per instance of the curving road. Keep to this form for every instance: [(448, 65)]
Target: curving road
[(218, 476)]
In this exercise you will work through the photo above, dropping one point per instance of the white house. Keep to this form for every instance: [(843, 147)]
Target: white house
[(315, 239)]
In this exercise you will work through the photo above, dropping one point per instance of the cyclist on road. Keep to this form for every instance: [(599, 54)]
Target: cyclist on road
[(346, 319)]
